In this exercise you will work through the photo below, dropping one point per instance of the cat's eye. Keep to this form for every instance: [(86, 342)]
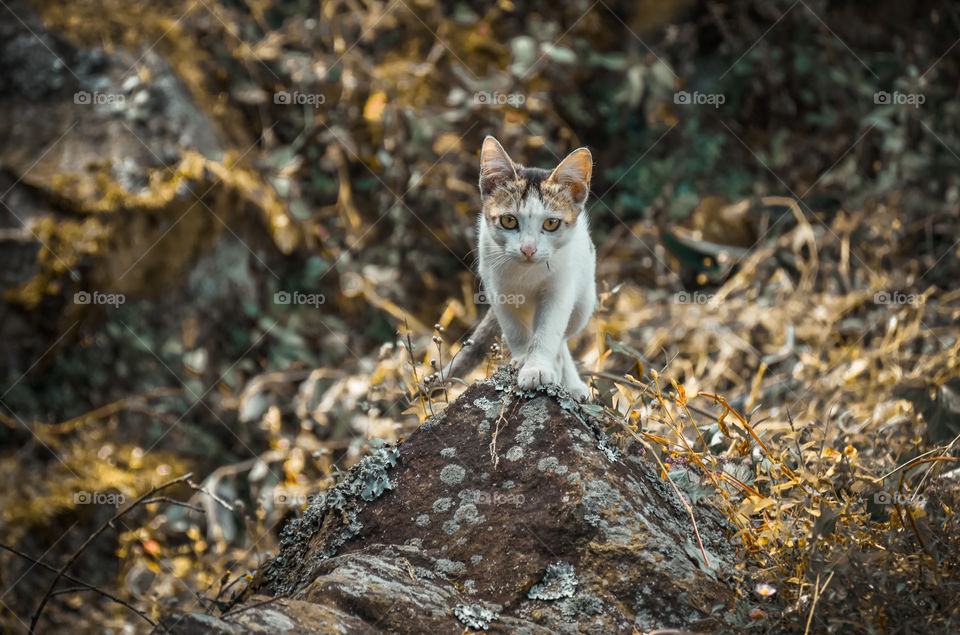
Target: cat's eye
[(508, 221), (551, 224)]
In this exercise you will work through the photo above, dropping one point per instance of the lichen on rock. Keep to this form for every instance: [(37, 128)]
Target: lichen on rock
[(559, 581), (474, 616), (569, 536)]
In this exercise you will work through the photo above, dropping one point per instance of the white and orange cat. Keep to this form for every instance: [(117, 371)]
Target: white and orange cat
[(537, 266)]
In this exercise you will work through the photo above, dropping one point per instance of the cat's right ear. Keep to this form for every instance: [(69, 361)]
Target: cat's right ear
[(496, 168)]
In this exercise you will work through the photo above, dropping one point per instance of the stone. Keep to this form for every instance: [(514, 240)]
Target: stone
[(606, 552)]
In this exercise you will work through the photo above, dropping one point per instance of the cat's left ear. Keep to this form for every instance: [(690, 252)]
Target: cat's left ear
[(574, 173), (496, 168)]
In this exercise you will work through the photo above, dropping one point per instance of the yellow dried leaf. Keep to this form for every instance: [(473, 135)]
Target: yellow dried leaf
[(373, 110)]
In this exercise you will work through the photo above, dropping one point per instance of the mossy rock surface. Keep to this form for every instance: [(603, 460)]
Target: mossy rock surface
[(551, 530)]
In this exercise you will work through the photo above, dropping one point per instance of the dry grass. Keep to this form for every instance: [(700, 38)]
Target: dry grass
[(793, 399)]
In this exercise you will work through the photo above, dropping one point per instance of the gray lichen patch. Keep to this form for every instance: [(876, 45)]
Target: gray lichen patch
[(449, 567), (448, 453), (605, 507), (475, 616), (559, 581), (442, 505), (535, 411), (469, 495), (514, 454), (612, 453), (468, 514), (367, 481), (547, 463), (451, 527), (535, 414), (491, 409), (581, 604), (423, 520), (452, 474), (601, 495)]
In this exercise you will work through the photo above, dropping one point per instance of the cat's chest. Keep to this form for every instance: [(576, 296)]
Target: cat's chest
[(518, 289), (529, 279)]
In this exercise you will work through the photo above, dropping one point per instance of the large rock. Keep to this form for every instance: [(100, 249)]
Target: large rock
[(112, 180), (549, 529)]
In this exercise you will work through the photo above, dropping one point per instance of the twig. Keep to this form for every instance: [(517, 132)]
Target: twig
[(91, 538), (739, 417), (913, 522), (918, 461), (133, 402), (8, 421), (617, 379), (911, 462), (689, 509), (172, 501), (224, 589), (425, 401), (796, 441), (496, 432), (83, 584), (817, 590), (438, 340), (200, 488)]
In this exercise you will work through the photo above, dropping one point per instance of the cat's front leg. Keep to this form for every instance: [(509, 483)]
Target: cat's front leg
[(571, 378), (542, 366), (515, 332)]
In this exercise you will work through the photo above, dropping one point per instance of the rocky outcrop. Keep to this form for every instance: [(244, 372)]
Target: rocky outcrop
[(507, 512), (112, 181)]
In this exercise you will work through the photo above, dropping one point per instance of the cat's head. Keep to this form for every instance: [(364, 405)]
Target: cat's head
[(531, 212)]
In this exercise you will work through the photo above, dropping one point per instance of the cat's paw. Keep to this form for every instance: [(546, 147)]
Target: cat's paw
[(534, 374), (577, 389)]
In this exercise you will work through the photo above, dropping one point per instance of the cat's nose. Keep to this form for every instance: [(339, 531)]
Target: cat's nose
[(528, 250)]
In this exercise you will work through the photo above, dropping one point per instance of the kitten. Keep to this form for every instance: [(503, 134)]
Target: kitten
[(537, 266)]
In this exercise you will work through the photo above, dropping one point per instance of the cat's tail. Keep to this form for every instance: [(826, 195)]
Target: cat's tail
[(474, 349)]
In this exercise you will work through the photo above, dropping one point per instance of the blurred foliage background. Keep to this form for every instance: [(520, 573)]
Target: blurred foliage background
[(216, 215)]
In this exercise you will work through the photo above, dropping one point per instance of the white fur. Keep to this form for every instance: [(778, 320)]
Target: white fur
[(543, 301)]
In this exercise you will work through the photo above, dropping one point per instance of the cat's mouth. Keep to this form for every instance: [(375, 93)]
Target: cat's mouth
[(533, 260)]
